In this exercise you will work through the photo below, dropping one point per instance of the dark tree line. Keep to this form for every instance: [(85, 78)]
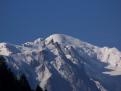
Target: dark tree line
[(8, 82)]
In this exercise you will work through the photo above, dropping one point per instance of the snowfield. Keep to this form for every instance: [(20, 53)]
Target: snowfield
[(63, 63)]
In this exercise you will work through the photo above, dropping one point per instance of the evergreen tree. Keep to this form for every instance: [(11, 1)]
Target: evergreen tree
[(8, 82), (23, 83), (38, 88), (7, 79)]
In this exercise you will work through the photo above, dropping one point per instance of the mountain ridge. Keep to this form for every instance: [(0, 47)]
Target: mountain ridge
[(63, 59)]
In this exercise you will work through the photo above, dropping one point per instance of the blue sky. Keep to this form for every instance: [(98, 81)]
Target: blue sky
[(95, 21)]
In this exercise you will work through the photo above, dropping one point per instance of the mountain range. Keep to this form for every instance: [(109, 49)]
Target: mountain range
[(63, 63)]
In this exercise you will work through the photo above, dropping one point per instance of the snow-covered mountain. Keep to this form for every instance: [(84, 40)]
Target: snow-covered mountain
[(63, 63)]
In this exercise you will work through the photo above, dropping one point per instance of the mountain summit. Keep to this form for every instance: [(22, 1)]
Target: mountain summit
[(63, 63)]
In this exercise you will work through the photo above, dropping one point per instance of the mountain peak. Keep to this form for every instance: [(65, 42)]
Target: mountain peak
[(57, 37), (65, 62), (64, 39)]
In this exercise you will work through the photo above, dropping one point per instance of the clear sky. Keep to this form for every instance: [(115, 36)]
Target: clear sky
[(95, 21)]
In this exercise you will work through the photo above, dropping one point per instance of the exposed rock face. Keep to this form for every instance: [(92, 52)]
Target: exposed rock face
[(64, 63)]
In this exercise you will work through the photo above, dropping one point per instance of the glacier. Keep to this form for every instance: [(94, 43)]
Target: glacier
[(63, 63)]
